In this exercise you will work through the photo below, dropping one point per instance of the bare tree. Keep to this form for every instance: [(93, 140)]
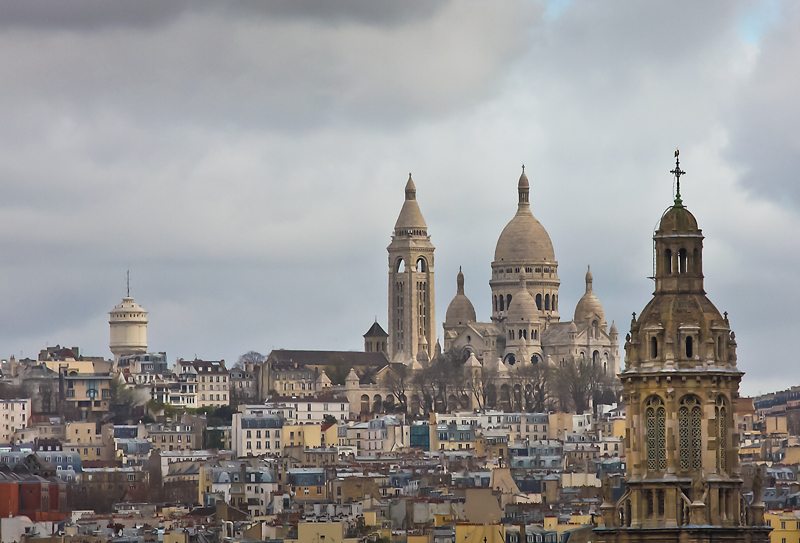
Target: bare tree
[(482, 385), (577, 383), (250, 357), (397, 383), (536, 383)]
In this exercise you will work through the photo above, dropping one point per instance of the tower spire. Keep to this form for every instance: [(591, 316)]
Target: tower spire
[(128, 281), (677, 172)]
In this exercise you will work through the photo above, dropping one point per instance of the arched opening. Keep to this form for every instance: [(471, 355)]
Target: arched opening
[(422, 266), (668, 261), (534, 359), (511, 359), (682, 261), (595, 329), (720, 352), (502, 302), (524, 334), (364, 404), (414, 405), (491, 395), (535, 334), (495, 303), (655, 424), (689, 347), (400, 266), (505, 394), (377, 403), (539, 302), (653, 347), (511, 334), (690, 433), (595, 358), (721, 427), (452, 402), (508, 301), (547, 302)]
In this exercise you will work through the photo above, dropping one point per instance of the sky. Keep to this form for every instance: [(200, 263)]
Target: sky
[(246, 161)]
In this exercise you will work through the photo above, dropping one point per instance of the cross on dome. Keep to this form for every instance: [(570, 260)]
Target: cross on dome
[(677, 172)]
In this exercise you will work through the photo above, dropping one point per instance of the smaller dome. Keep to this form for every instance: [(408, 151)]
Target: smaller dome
[(588, 305), (522, 307), (460, 310), (128, 310), (613, 329), (678, 220), (523, 180), (410, 216)]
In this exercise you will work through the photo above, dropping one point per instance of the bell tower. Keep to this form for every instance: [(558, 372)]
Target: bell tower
[(681, 389), (412, 318)]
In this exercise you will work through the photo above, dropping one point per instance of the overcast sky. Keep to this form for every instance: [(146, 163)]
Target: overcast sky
[(246, 161)]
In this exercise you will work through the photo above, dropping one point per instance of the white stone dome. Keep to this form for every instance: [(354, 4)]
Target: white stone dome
[(589, 305), (524, 239), (460, 310), (523, 307)]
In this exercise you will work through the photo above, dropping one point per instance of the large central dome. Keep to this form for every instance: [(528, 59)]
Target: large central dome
[(524, 239)]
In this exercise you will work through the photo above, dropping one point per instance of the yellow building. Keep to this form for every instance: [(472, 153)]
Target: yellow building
[(87, 393), (785, 526), (480, 533), (305, 436)]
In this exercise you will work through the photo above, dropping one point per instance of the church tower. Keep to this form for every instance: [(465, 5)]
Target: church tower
[(680, 387), (412, 319)]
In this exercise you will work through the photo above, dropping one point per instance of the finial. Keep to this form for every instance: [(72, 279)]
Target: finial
[(677, 172), (523, 168), (128, 281)]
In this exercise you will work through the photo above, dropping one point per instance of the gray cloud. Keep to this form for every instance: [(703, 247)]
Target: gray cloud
[(247, 163)]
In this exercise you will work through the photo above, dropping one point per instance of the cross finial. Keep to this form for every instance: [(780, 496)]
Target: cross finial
[(677, 172), (523, 168)]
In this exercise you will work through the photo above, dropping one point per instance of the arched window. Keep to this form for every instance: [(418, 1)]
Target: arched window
[(682, 261), (422, 266), (400, 266), (653, 347), (502, 302), (508, 301), (690, 435), (595, 330), (539, 302), (721, 427), (547, 302), (689, 347), (524, 334), (511, 334), (495, 302), (667, 261), (720, 352), (595, 358), (534, 359), (655, 423), (510, 360)]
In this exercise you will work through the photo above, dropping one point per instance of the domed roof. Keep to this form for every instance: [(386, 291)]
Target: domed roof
[(588, 305), (678, 220), (524, 238), (410, 215), (126, 308), (460, 310), (522, 307)]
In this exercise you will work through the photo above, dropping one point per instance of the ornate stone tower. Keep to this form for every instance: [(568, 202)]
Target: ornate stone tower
[(128, 322), (412, 318), (681, 390), (524, 247)]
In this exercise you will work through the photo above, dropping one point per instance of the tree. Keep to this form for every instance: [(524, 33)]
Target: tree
[(121, 402), (482, 386), (397, 382), (536, 382), (250, 357), (327, 418), (577, 383), (337, 373)]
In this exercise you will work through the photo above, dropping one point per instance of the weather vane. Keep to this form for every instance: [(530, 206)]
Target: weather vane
[(677, 172)]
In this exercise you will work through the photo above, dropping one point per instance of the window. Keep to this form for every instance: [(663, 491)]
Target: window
[(689, 347), (655, 422), (690, 433), (721, 427), (653, 347)]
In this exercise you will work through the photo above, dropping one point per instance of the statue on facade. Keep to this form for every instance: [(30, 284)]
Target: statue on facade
[(758, 482), (608, 496)]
